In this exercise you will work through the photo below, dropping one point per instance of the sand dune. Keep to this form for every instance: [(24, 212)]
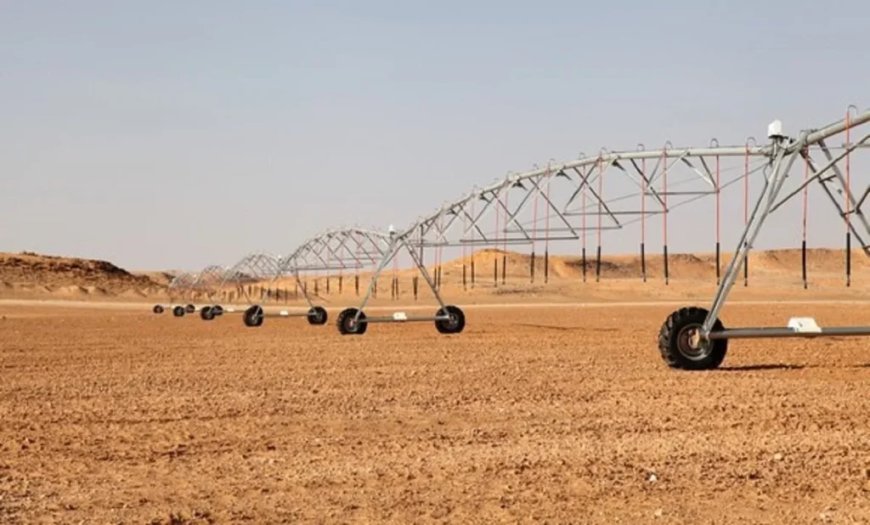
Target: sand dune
[(682, 265), (132, 293), (32, 275), (159, 278)]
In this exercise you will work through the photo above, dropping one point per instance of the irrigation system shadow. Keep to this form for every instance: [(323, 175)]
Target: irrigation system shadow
[(757, 368), (783, 366)]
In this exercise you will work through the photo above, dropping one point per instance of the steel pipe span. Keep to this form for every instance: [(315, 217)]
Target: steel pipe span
[(515, 201), (593, 196), (336, 250)]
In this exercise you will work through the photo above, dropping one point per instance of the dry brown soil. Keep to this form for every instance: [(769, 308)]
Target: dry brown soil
[(556, 414)]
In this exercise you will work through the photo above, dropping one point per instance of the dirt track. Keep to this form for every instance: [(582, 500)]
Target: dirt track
[(561, 414)]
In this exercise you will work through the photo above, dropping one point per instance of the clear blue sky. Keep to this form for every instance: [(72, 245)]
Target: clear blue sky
[(174, 134)]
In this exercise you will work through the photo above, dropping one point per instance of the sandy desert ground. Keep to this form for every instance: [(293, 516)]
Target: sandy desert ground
[(560, 414), (552, 406)]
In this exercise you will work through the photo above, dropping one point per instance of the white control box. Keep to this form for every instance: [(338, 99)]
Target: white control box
[(804, 325), (774, 130)]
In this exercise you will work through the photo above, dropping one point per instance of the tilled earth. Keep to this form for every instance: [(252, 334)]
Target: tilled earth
[(557, 414)]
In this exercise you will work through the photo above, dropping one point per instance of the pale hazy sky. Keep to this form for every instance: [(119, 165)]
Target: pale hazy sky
[(174, 134)]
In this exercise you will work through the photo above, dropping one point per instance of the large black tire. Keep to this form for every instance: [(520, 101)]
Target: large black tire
[(157, 309), (217, 310), (254, 316), (178, 311), (206, 313), (346, 324), (681, 346), (317, 315), (190, 308), (455, 324)]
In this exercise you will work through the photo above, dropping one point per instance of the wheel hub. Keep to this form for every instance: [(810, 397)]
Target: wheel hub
[(692, 343)]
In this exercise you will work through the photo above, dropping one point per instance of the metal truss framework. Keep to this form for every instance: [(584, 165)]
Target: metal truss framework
[(460, 222), (181, 285), (348, 249), (832, 172), (567, 201), (338, 250), (334, 250), (208, 281), (572, 200), (695, 338), (254, 267), (571, 193)]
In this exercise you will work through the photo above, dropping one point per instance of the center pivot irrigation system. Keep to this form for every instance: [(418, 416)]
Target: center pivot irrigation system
[(253, 268), (343, 250), (584, 199), (571, 192), (695, 338), (561, 202), (179, 289), (190, 287)]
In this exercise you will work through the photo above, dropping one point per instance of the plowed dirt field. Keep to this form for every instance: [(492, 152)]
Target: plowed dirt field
[(549, 413)]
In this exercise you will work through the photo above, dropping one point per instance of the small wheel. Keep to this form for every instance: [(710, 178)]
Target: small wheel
[(207, 313), (453, 325), (348, 325), (681, 345), (178, 311), (217, 310), (157, 309), (254, 316), (190, 308), (317, 315)]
